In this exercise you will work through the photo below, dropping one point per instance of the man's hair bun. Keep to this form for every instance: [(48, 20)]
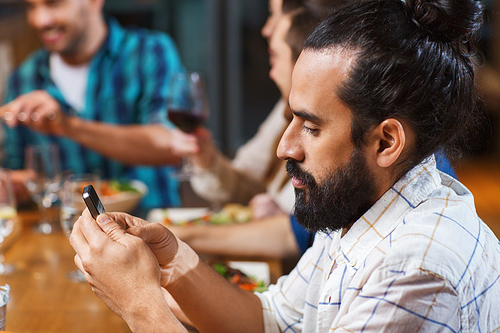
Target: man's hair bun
[(412, 61), (456, 20)]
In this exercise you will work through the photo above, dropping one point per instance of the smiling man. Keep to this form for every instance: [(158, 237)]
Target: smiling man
[(379, 88), (98, 91)]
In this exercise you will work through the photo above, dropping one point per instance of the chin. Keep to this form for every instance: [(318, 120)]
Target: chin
[(57, 48)]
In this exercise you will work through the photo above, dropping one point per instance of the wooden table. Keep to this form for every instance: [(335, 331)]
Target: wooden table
[(42, 299)]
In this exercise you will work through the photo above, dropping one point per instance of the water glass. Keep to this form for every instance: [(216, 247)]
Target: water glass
[(72, 206), (8, 216), (44, 184)]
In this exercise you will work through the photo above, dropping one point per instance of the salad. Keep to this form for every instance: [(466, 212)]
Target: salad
[(231, 213), (239, 278)]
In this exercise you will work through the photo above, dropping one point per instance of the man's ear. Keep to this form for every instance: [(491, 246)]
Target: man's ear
[(387, 141)]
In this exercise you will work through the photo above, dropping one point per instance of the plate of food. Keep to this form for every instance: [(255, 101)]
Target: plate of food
[(122, 196), (116, 196), (251, 276), (230, 213)]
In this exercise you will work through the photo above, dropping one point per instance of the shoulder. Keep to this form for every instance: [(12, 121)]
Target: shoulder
[(28, 75), (149, 39), (31, 66), (445, 237)]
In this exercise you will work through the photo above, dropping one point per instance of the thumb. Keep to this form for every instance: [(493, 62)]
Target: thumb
[(110, 227), (151, 233)]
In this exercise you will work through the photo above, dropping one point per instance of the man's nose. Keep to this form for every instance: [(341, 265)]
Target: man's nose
[(268, 28), (40, 18), (290, 146)]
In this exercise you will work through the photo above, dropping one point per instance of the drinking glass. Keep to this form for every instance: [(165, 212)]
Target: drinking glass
[(187, 107), (44, 183), (8, 214), (72, 206)]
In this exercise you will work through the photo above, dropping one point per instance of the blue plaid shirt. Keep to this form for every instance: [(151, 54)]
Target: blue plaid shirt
[(419, 260), (127, 84)]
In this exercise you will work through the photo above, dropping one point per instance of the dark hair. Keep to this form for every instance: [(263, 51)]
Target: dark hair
[(322, 8), (306, 15), (302, 24), (412, 63), (291, 5)]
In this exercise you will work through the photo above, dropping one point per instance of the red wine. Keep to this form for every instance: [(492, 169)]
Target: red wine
[(185, 120)]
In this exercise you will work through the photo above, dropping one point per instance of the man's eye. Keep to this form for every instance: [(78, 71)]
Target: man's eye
[(309, 130)]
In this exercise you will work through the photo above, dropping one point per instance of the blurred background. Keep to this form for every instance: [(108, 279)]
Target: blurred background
[(221, 39)]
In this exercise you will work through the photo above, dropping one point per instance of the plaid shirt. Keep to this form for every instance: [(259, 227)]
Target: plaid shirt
[(419, 260), (127, 84)]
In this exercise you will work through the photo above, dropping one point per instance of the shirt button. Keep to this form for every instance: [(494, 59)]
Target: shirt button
[(353, 262)]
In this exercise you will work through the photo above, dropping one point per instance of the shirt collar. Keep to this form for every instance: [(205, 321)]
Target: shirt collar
[(389, 211), (116, 34)]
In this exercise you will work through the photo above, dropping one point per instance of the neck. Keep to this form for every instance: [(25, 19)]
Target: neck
[(98, 30)]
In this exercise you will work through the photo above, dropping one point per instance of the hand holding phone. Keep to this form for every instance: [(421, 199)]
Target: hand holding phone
[(93, 202)]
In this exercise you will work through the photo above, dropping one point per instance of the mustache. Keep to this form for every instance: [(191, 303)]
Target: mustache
[(48, 29), (293, 170)]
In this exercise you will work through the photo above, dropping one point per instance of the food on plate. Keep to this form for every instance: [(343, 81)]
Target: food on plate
[(180, 216), (114, 186), (111, 187), (230, 213), (239, 278), (117, 196)]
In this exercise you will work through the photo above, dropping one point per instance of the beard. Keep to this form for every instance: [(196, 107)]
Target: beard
[(339, 201)]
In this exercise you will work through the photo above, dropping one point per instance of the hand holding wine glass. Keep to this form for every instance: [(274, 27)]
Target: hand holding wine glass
[(187, 106)]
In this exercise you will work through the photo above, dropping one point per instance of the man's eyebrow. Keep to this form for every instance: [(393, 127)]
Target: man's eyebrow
[(307, 116)]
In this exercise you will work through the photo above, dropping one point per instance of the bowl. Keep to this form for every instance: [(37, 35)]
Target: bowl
[(125, 201)]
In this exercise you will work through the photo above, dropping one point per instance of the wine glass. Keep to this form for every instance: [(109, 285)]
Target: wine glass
[(44, 182), (8, 214), (72, 206), (187, 106)]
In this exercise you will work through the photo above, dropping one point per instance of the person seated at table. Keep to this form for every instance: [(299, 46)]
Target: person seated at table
[(279, 236), (255, 177), (98, 91), (399, 246), (248, 239)]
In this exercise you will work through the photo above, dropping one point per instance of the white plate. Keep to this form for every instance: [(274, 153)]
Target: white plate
[(125, 201), (255, 269), (177, 215)]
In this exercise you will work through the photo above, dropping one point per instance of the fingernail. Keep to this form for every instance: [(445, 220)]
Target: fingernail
[(103, 219)]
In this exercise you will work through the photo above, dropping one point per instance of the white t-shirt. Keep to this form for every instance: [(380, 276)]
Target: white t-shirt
[(71, 80)]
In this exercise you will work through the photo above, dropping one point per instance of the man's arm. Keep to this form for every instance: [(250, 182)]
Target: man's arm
[(129, 144), (271, 237), (211, 302), (126, 275)]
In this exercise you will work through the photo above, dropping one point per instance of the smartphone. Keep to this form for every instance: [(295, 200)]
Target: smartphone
[(93, 202)]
